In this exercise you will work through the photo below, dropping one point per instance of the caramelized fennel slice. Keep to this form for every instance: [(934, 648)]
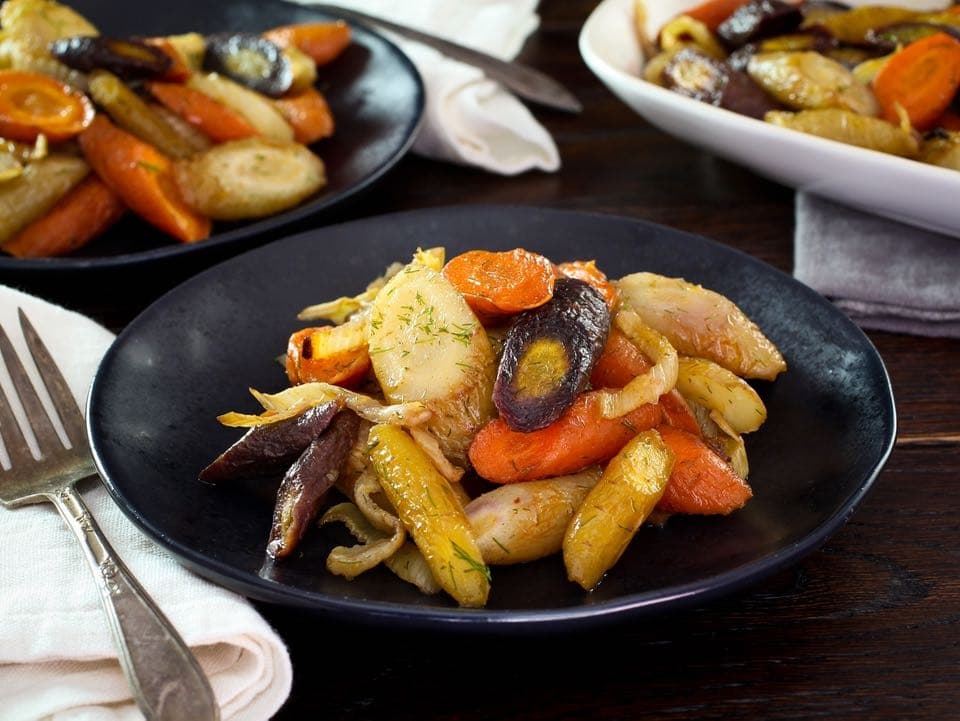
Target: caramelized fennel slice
[(293, 401), (648, 387)]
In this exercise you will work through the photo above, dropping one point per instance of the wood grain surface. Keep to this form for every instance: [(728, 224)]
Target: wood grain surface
[(868, 627)]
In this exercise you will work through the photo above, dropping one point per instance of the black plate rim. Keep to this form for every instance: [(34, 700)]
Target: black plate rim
[(400, 615), (259, 228)]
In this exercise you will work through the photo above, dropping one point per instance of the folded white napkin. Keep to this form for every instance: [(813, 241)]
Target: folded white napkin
[(469, 119), (885, 275), (57, 658)]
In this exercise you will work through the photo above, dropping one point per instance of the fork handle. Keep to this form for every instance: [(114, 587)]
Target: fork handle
[(166, 680)]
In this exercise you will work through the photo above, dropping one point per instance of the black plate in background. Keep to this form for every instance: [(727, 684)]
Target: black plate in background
[(374, 91), (193, 354)]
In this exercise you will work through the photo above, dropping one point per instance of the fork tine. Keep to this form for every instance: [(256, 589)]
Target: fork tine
[(63, 400), (10, 433), (46, 435)]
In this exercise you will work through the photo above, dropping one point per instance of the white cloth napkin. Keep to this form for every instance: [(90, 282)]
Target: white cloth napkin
[(883, 274), (57, 658), (469, 119)]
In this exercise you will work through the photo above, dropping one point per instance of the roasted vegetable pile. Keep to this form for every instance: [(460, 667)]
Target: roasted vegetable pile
[(181, 130), (879, 77), (499, 408)]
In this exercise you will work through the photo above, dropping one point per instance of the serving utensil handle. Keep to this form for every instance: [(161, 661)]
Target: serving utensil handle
[(167, 682)]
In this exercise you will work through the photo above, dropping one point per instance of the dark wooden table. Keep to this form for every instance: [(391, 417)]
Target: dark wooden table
[(867, 627)]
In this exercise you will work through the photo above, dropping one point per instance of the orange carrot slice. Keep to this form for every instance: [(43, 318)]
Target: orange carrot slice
[(31, 104), (142, 176), (619, 362), (321, 41), (329, 354), (581, 437), (714, 12), (498, 284), (701, 481), (309, 115), (922, 78), (212, 118), (80, 216), (588, 272)]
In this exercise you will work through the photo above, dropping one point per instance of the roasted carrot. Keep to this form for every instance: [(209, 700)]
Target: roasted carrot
[(309, 115), (701, 481), (587, 271), (213, 119), (142, 176), (949, 120), (581, 437), (329, 354), (31, 104), (619, 362), (321, 41), (922, 78), (179, 70), (714, 12), (80, 216), (498, 284)]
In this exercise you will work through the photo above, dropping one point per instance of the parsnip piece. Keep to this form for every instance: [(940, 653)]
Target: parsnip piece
[(249, 178), (615, 507), (646, 388), (29, 27), (808, 80), (36, 190), (426, 345), (715, 387), (131, 112), (255, 108), (520, 522), (37, 23), (683, 30), (431, 514), (703, 323), (848, 127)]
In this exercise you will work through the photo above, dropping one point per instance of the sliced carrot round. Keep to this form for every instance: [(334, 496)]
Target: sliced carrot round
[(922, 79), (498, 284), (31, 104)]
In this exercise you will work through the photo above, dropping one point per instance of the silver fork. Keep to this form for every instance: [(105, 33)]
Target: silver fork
[(167, 682)]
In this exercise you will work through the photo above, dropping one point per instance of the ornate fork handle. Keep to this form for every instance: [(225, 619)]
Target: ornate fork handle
[(164, 675)]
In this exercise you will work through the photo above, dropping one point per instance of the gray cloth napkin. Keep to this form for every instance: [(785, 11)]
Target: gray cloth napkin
[(883, 274)]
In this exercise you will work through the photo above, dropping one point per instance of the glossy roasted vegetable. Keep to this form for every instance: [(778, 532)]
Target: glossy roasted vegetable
[(251, 60), (427, 345), (758, 19), (522, 522), (36, 191), (720, 390), (548, 355), (305, 484), (712, 81), (131, 113), (255, 109), (431, 513), (615, 508), (249, 178), (129, 59), (701, 322), (808, 80), (848, 127), (270, 448)]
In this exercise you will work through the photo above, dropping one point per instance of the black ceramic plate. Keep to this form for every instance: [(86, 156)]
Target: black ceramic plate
[(374, 92), (193, 354)]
